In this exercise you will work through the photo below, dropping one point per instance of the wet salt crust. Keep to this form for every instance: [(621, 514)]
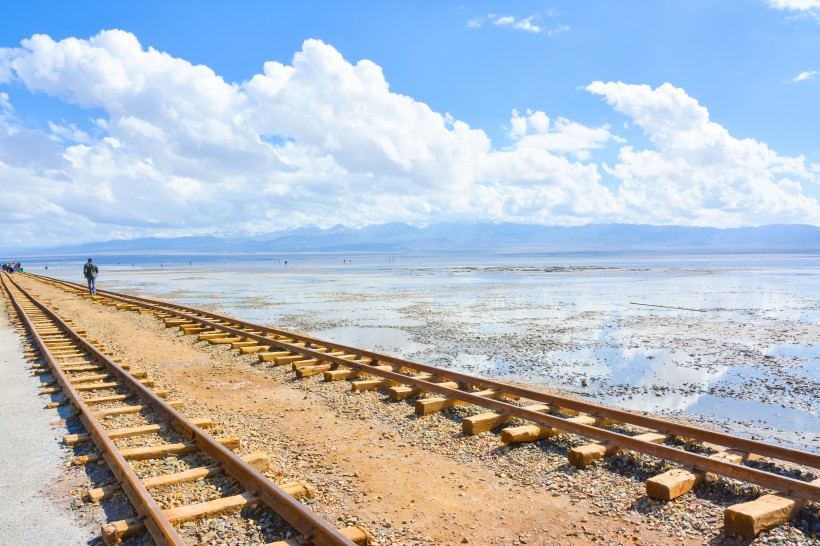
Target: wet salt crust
[(730, 340)]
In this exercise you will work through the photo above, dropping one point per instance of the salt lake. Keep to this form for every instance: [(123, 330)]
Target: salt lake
[(729, 339)]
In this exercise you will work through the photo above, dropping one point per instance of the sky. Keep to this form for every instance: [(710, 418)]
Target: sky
[(122, 120)]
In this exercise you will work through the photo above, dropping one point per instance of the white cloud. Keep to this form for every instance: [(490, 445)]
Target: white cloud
[(795, 5), (803, 76), (557, 30), (69, 133), (527, 24), (6, 110), (699, 173), (532, 130), (322, 140), (520, 24), (140, 128), (5, 69), (809, 9), (34, 151)]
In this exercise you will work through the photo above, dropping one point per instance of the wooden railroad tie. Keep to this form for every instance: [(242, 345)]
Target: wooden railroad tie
[(59, 345), (124, 410), (272, 356), (62, 351), (241, 344), (95, 386), (139, 374), (531, 433), (346, 373), (289, 359), (129, 432), (582, 456), (428, 406), (310, 361), (172, 322), (372, 384), (160, 393), (403, 392), (118, 530), (259, 460), (211, 335), (748, 519), (113, 533), (254, 349), (484, 422), (679, 481), (310, 367), (83, 368), (224, 340), (195, 329), (156, 452)]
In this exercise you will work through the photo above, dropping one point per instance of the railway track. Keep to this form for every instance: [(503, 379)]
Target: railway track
[(127, 423), (700, 454)]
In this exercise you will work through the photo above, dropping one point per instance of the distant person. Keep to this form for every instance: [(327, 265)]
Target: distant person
[(90, 271)]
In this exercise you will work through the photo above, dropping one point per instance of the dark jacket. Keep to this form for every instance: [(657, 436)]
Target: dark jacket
[(90, 270)]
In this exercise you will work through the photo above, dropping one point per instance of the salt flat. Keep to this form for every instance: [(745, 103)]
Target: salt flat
[(726, 339)]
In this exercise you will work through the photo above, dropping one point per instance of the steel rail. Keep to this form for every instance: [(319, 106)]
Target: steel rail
[(161, 530), (782, 484), (312, 528)]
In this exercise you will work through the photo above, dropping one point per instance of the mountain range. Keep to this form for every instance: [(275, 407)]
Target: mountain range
[(448, 237)]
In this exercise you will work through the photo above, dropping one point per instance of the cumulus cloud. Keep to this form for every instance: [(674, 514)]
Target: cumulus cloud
[(699, 174), (803, 76), (533, 130), (318, 140), (323, 140)]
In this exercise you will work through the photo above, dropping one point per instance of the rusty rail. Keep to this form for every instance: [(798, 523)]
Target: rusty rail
[(313, 528)]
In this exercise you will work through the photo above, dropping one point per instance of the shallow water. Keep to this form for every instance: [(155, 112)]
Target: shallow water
[(714, 336)]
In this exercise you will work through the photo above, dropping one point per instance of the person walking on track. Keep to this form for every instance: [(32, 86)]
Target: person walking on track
[(90, 271)]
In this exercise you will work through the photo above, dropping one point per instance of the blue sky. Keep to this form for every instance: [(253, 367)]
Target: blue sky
[(162, 119)]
